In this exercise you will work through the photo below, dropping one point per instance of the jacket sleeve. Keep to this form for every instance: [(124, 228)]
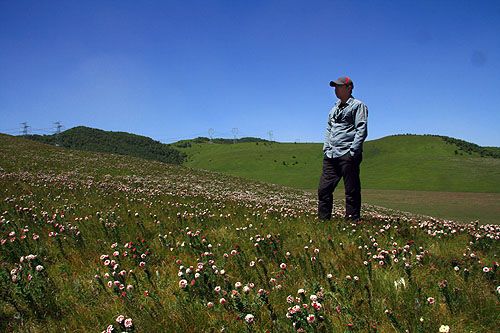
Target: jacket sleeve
[(328, 131), (361, 128)]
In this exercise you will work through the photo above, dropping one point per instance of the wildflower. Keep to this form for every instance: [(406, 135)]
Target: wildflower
[(249, 318), (486, 269), (252, 263), (313, 298), (456, 268), (110, 329), (217, 289), (444, 329), (128, 323), (183, 283), (289, 298), (142, 264), (222, 301), (283, 266), (39, 268), (210, 305), (329, 276), (246, 289), (120, 319), (316, 306), (311, 318), (430, 300), (301, 291), (237, 285)]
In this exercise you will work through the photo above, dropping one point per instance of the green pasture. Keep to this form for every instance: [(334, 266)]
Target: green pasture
[(406, 162), (405, 172)]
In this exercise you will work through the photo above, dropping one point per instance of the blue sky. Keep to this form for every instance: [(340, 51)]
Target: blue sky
[(172, 70)]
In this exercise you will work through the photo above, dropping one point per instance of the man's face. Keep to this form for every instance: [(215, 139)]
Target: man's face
[(342, 91)]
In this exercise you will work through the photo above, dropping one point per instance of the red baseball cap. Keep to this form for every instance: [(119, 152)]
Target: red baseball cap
[(342, 81)]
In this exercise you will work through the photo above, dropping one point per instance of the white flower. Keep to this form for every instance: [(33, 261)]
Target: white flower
[(183, 283), (444, 329), (249, 318)]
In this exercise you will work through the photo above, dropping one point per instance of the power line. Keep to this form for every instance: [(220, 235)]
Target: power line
[(58, 127), (235, 133), (25, 128)]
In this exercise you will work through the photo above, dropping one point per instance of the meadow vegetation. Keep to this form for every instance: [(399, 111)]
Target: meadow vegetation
[(101, 242), (418, 168)]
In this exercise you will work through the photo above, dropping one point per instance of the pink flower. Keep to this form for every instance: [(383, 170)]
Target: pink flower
[(120, 319), (283, 266), (430, 300), (311, 318), (210, 305), (128, 323), (316, 306), (183, 283), (142, 264), (222, 301)]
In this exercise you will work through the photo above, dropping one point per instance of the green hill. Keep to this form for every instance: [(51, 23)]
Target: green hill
[(91, 139), (402, 162)]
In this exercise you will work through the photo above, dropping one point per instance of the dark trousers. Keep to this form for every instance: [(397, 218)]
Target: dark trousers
[(346, 167)]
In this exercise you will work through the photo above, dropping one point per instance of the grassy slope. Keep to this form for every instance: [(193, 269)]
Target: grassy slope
[(116, 199), (421, 163)]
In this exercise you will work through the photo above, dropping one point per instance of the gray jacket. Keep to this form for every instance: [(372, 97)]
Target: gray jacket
[(347, 129)]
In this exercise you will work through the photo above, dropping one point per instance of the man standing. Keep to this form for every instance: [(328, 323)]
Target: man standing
[(345, 133)]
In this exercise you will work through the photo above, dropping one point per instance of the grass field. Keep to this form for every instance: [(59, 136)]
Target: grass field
[(93, 242), (457, 206), (408, 164)]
